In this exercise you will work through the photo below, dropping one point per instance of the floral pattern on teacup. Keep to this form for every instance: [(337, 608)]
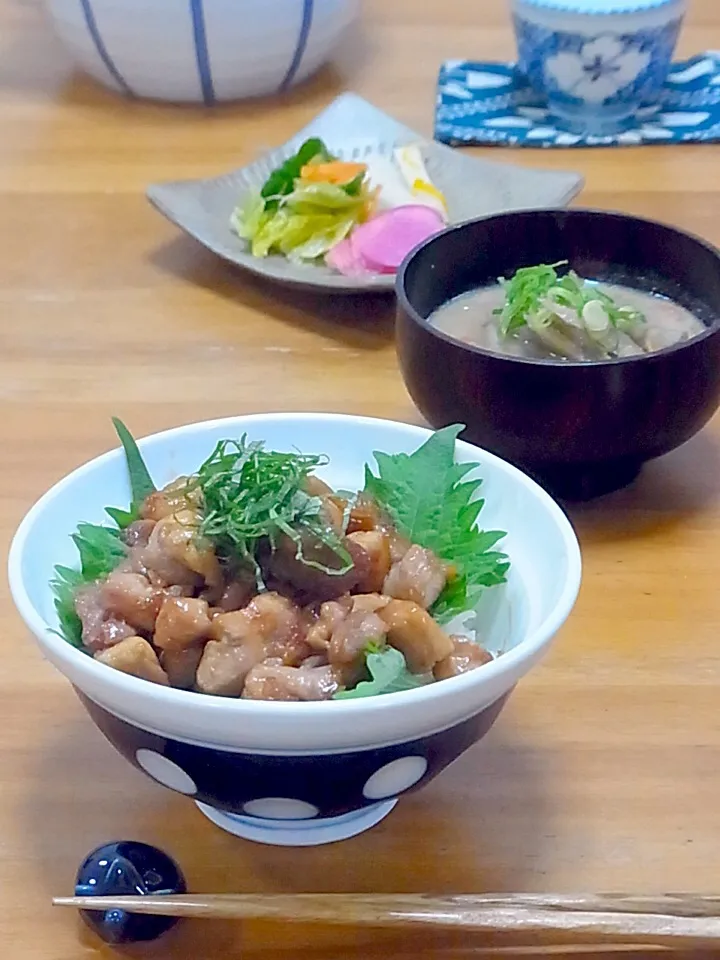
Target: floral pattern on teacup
[(602, 68)]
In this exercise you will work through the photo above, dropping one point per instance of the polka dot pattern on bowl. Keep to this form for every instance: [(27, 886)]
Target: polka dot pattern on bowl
[(292, 787), (281, 808), (395, 777), (166, 772)]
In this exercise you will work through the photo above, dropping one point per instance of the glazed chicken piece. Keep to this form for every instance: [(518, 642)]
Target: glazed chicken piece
[(314, 660), (315, 487), (176, 553), (278, 617), (227, 660), (333, 506), (158, 506), (269, 681), (370, 602), (399, 546), (309, 582), (416, 635), (350, 639), (135, 656), (269, 627), (236, 595), (181, 623), (138, 533), (419, 577), (181, 665), (170, 500), (332, 613), (100, 630), (376, 545), (131, 597), (333, 510), (467, 655), (281, 626), (162, 558), (232, 592), (236, 627), (367, 516)]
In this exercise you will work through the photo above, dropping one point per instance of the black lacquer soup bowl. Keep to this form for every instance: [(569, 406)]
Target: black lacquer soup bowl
[(581, 429)]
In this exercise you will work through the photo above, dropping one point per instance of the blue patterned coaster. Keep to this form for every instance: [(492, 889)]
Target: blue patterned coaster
[(492, 103)]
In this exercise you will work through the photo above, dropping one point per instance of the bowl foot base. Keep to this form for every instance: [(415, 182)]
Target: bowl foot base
[(299, 833), (585, 481)]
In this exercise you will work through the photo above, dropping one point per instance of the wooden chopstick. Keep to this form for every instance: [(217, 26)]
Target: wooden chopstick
[(688, 920)]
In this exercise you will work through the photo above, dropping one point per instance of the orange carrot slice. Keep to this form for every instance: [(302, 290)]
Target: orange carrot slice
[(336, 171)]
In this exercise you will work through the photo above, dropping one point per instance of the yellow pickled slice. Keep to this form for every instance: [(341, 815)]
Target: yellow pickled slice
[(410, 162)]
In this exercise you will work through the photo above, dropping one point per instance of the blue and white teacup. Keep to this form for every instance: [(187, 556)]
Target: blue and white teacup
[(597, 62)]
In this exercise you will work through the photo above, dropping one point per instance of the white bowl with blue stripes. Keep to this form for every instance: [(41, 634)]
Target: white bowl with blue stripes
[(201, 51)]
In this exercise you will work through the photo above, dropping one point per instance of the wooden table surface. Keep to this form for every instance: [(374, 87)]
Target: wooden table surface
[(603, 773)]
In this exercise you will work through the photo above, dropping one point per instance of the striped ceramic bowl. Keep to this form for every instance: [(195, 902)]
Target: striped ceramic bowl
[(201, 50)]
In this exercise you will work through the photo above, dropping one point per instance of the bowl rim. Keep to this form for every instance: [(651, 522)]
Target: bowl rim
[(404, 303), (133, 688)]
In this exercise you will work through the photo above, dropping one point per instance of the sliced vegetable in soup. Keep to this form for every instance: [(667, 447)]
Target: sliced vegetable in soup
[(253, 578), (543, 313)]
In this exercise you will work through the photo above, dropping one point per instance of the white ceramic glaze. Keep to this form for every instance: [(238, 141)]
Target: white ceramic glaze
[(201, 50), (520, 618), (638, 13), (299, 833)]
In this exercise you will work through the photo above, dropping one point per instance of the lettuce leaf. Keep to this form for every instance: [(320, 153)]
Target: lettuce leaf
[(317, 197), (321, 241), (304, 225), (249, 217), (300, 237), (432, 504), (270, 233), (388, 672)]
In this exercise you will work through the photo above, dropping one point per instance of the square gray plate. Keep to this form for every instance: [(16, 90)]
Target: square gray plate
[(473, 188)]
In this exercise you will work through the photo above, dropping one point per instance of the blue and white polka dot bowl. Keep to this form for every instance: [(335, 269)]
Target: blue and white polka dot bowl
[(301, 774), (597, 62), (201, 51)]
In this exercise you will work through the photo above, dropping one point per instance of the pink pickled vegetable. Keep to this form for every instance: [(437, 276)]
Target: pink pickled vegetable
[(385, 241), (344, 258), (381, 244)]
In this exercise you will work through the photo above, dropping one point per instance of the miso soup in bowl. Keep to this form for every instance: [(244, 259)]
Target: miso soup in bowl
[(576, 343), (541, 314)]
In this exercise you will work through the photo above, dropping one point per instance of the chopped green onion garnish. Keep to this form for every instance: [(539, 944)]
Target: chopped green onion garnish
[(539, 298)]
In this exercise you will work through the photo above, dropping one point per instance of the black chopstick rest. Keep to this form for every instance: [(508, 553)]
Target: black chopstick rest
[(127, 867)]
